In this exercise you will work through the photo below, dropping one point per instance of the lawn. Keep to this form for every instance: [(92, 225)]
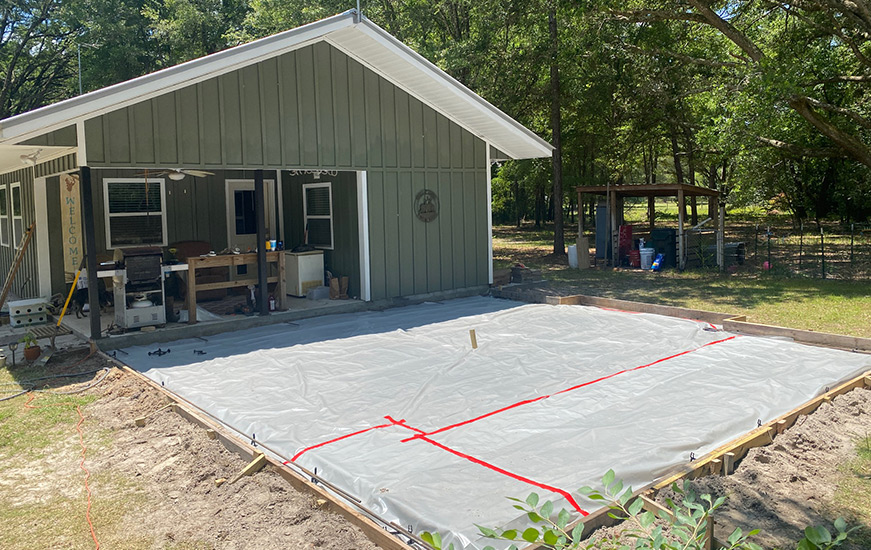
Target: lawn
[(780, 296)]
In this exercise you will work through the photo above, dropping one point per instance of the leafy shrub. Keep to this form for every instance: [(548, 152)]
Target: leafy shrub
[(684, 527)]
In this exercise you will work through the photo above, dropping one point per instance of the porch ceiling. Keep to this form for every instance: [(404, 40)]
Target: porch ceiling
[(15, 157)]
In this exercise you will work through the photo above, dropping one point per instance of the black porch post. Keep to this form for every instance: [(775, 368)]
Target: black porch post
[(260, 210), (91, 252)]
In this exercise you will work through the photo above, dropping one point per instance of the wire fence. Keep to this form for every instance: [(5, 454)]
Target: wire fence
[(827, 252)]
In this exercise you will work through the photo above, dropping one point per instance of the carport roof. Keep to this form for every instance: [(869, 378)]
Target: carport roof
[(354, 34)]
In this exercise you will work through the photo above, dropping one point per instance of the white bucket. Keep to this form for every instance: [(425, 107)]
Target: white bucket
[(647, 257), (573, 256)]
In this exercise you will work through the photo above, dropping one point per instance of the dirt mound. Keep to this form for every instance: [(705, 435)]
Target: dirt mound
[(174, 465)]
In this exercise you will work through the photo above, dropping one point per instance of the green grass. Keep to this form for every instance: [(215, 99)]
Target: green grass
[(777, 297), (853, 495), (43, 499)]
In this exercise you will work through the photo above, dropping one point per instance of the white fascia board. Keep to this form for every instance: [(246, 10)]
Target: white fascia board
[(70, 111), (541, 147)]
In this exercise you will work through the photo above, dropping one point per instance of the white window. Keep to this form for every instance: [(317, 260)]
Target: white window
[(135, 212), (17, 220), (318, 212), (4, 216)]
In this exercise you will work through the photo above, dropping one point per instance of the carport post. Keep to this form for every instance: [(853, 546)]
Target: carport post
[(90, 251), (651, 211), (680, 233), (721, 235), (260, 214)]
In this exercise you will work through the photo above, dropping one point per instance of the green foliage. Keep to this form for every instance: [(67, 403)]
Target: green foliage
[(29, 340), (864, 447), (683, 526), (646, 97)]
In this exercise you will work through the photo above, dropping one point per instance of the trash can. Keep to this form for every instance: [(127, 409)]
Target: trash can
[(573, 256), (647, 257)]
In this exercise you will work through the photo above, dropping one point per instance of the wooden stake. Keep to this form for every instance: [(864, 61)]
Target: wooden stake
[(474, 339), (709, 534), (728, 463), (252, 468)]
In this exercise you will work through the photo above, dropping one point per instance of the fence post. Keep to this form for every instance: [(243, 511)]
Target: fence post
[(823, 252), (756, 245), (768, 235), (851, 244), (800, 241)]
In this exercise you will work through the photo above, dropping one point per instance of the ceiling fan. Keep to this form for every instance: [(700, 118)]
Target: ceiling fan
[(30, 160), (177, 174)]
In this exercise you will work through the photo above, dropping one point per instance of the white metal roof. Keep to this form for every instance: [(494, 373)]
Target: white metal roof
[(358, 37)]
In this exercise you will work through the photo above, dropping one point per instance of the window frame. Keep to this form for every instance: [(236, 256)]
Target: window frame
[(14, 235), (306, 217), (5, 218), (108, 216)]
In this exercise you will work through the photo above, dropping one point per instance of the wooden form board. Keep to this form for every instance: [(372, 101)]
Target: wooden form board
[(736, 449), (730, 322), (721, 461), (190, 412)]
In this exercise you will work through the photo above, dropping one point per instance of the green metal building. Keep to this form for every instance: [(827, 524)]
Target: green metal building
[(363, 147)]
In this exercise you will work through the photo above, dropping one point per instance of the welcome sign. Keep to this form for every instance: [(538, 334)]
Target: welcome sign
[(71, 224)]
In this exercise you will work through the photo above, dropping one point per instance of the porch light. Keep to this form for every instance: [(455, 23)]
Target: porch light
[(176, 176)]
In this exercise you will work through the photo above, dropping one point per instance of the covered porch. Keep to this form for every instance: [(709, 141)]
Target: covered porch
[(215, 235)]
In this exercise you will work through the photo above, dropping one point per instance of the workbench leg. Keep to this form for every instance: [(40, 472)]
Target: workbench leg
[(282, 283), (192, 295)]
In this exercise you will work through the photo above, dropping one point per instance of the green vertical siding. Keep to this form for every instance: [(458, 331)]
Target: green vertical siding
[(316, 108), (311, 108), (64, 137), (57, 166)]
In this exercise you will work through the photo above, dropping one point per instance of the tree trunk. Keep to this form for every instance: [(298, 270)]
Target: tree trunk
[(675, 153), (559, 245)]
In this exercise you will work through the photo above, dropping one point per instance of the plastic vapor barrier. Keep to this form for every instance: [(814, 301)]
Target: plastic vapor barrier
[(396, 408)]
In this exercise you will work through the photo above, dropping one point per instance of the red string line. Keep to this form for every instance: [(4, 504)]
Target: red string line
[(591, 382), (346, 436)]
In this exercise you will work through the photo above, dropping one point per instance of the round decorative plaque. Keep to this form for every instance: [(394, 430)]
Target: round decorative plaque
[(426, 205)]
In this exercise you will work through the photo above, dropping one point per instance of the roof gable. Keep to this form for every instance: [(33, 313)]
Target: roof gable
[(360, 39)]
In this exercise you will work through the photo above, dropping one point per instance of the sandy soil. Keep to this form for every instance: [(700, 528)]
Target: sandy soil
[(786, 486), (160, 480), (179, 465)]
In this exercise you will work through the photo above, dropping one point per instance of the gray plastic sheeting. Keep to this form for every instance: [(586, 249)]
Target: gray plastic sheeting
[(556, 396)]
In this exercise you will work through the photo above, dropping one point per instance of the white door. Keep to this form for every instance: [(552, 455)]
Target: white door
[(241, 216)]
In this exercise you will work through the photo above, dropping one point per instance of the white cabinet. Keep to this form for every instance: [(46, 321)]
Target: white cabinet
[(304, 271)]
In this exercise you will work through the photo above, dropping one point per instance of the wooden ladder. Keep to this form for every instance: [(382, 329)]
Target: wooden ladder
[(19, 257)]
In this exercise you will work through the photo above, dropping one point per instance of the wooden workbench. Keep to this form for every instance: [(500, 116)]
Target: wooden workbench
[(229, 261)]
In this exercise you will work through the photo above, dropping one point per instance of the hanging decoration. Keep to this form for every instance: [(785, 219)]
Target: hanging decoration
[(426, 205), (316, 173)]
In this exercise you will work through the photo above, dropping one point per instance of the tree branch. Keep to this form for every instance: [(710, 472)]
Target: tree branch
[(849, 143), (650, 16), (856, 117), (729, 31), (685, 58), (801, 151)]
